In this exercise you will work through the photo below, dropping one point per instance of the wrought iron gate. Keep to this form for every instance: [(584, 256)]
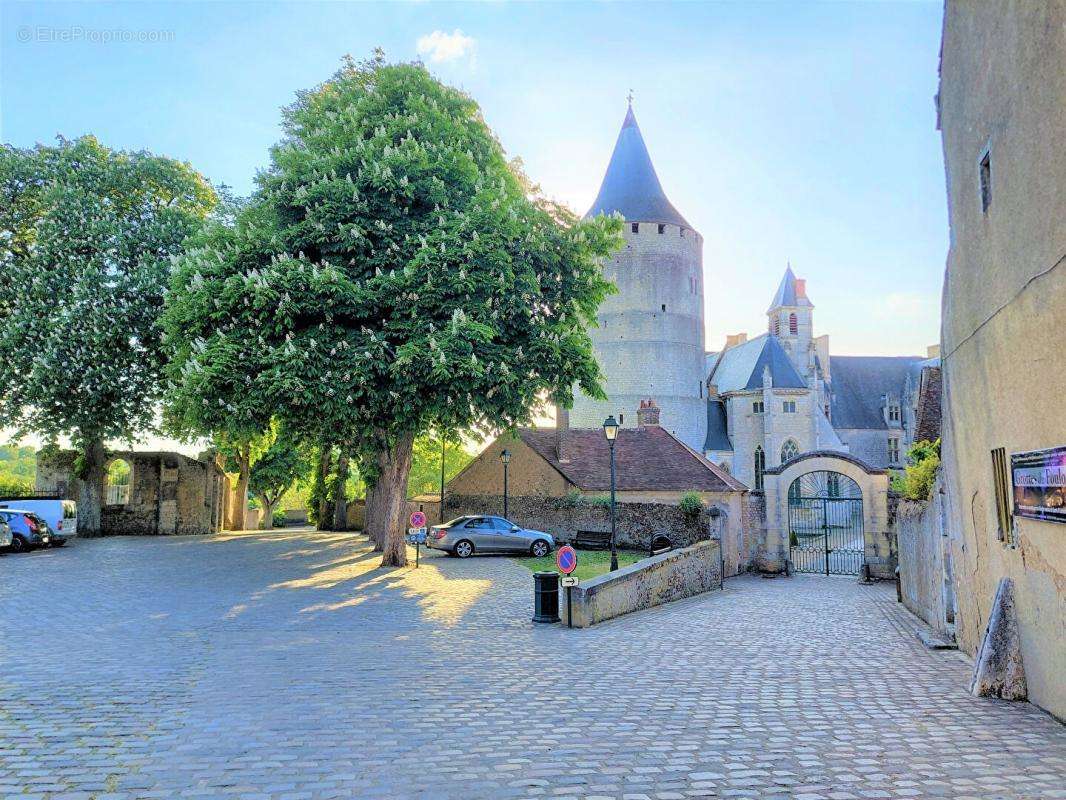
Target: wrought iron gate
[(826, 535)]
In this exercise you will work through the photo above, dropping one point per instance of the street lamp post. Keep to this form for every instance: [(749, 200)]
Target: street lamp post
[(505, 457), (443, 450), (610, 430)]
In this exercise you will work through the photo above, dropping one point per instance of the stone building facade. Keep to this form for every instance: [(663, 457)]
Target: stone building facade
[(1002, 113), (166, 493), (650, 338), (782, 393)]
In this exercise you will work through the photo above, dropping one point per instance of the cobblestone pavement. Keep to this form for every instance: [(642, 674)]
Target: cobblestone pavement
[(286, 665)]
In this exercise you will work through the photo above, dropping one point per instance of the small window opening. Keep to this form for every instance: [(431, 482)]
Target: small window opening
[(793, 324), (757, 407), (986, 181), (777, 327), (760, 467), (788, 406), (664, 306), (635, 227), (621, 419), (682, 233), (893, 451), (701, 390), (662, 229)]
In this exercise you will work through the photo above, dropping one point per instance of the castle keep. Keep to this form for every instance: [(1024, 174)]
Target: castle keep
[(650, 340)]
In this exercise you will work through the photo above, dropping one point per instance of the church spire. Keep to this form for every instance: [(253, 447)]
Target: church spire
[(791, 292), (631, 185)]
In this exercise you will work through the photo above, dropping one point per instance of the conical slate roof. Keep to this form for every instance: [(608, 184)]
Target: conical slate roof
[(786, 293), (631, 186)]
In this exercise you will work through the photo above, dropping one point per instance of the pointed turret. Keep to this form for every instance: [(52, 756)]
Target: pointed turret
[(630, 185), (792, 292)]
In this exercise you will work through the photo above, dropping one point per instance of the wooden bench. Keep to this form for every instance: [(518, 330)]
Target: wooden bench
[(592, 540)]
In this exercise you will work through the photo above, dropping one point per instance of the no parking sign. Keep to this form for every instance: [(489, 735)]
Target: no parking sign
[(566, 559)]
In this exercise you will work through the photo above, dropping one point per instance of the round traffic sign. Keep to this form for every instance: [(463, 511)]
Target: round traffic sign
[(418, 519), (566, 559)]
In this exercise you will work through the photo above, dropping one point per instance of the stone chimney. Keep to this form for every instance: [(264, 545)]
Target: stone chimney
[(648, 414), (733, 339)]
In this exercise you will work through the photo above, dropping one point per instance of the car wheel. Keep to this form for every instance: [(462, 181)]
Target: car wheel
[(539, 549), (464, 549), (18, 545)]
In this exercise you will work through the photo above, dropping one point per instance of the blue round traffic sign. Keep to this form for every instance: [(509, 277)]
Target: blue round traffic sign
[(566, 559)]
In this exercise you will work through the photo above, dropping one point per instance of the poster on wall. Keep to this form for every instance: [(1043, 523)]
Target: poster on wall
[(1039, 479)]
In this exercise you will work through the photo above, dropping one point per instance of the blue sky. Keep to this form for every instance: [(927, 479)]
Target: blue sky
[(795, 131)]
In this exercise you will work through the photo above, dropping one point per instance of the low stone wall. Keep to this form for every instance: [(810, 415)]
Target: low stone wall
[(648, 583), (637, 523)]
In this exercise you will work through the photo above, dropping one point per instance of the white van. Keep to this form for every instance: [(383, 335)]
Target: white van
[(61, 515)]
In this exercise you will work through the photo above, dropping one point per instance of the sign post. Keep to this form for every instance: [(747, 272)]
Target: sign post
[(416, 534), (566, 561)]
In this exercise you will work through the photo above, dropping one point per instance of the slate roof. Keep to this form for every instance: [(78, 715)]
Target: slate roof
[(717, 427), (649, 459), (927, 424), (630, 185), (857, 384), (786, 293), (740, 367)]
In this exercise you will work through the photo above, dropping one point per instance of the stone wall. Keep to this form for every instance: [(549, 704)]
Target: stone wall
[(645, 584), (923, 563), (564, 517), (169, 494), (1003, 93)]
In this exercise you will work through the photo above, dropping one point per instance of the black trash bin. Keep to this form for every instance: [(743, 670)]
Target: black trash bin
[(545, 596)]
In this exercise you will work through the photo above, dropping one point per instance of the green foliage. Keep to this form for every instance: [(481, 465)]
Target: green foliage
[(597, 501), (425, 464), (85, 256), (793, 539), (118, 473), (691, 504), (574, 497), (18, 469), (14, 486), (277, 469), (916, 480), (392, 273)]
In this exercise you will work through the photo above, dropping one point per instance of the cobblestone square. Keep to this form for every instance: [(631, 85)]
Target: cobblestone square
[(287, 666)]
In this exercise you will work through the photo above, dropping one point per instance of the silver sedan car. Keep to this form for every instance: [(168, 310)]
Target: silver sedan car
[(466, 535)]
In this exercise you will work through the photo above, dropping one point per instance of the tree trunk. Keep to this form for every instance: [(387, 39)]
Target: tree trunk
[(268, 514), (371, 521), (340, 494), (394, 480), (91, 489), (325, 508), (375, 505), (238, 514)]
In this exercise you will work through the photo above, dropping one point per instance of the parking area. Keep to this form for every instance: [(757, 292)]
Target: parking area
[(286, 665)]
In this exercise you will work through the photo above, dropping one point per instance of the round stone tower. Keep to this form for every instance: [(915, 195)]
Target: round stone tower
[(650, 337)]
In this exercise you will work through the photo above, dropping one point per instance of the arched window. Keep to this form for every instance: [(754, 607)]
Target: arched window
[(789, 451), (760, 467), (117, 491), (793, 324)]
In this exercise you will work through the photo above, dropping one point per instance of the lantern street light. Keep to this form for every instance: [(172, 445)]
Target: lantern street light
[(610, 431), (505, 457)]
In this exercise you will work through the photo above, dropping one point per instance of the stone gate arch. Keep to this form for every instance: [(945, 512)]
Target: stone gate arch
[(873, 485)]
